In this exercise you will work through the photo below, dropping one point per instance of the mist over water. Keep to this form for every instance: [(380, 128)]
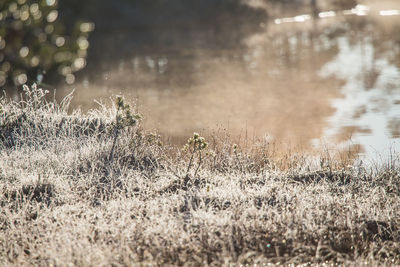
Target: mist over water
[(308, 82)]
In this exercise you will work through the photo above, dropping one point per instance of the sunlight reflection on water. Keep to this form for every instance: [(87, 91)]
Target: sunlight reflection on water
[(300, 80), (374, 109), (359, 10)]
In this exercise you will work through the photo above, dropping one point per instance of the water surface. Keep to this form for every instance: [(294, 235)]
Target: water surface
[(309, 82)]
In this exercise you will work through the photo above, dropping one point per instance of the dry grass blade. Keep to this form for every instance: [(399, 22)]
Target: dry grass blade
[(145, 205)]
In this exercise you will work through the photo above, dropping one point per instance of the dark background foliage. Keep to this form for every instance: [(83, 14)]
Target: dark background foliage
[(51, 38), (35, 40)]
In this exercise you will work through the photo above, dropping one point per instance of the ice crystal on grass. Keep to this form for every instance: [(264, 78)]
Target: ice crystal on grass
[(97, 189)]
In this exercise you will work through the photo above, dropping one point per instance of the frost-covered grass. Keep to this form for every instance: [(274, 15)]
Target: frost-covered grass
[(97, 190)]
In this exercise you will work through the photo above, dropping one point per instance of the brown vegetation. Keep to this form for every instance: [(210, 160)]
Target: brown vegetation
[(65, 201)]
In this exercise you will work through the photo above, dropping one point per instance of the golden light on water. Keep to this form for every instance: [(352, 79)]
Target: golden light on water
[(358, 10), (269, 83), (393, 12), (300, 18), (327, 14)]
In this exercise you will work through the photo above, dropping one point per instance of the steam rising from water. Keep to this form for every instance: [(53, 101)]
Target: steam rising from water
[(301, 81)]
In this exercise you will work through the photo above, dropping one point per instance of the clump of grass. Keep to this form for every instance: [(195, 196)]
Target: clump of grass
[(195, 148), (123, 118), (34, 121), (97, 189)]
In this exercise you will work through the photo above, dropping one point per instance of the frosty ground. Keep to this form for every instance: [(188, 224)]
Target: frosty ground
[(96, 189)]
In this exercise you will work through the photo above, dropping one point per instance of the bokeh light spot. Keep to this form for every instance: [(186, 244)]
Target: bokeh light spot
[(60, 41), (52, 16), (87, 27), (70, 78), (21, 79), (50, 2), (24, 51), (83, 43)]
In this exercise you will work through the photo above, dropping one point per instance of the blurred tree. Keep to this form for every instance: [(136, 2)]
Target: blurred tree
[(39, 36), (34, 41)]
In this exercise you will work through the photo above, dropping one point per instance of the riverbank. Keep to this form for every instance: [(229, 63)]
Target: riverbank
[(96, 189)]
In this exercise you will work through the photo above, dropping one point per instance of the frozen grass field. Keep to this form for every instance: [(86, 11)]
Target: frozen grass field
[(96, 189)]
